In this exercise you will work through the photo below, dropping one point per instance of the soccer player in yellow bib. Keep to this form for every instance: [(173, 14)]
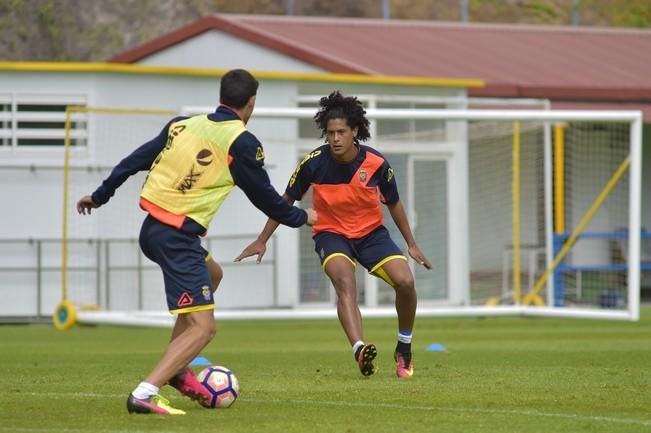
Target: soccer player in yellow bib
[(193, 165)]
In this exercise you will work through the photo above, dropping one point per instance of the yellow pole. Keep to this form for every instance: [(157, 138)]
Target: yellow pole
[(517, 278), (559, 178), (577, 231), (64, 219)]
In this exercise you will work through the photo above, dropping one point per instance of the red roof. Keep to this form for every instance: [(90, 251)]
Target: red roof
[(563, 63)]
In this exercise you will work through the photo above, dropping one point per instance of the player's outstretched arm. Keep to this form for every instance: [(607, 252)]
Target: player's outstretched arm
[(400, 218), (257, 247), (86, 204), (140, 159), (420, 258)]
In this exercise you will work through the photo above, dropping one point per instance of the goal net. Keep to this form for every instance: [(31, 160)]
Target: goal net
[(586, 185), (101, 263), (527, 212)]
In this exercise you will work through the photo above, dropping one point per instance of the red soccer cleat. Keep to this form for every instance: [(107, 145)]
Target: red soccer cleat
[(403, 369), (188, 385)]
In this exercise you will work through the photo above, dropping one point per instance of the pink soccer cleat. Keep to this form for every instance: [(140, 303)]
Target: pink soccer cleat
[(188, 385), (155, 404), (403, 369)]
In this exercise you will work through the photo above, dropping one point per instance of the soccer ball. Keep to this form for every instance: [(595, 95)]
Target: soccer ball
[(222, 384)]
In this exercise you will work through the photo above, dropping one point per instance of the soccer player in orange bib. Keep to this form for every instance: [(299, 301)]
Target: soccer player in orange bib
[(193, 164), (346, 178)]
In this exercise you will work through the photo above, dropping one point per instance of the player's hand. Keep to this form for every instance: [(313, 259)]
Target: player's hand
[(311, 216), (256, 247), (420, 258), (86, 203)]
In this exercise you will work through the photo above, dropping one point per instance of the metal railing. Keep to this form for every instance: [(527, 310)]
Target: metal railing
[(39, 262)]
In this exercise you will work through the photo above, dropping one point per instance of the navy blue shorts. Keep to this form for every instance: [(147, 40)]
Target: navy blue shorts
[(371, 251), (183, 262)]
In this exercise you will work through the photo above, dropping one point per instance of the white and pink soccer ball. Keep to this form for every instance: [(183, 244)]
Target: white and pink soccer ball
[(222, 384)]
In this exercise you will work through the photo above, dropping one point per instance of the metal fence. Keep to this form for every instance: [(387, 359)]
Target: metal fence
[(104, 273)]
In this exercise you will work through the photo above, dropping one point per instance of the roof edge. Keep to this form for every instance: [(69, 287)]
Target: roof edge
[(165, 41), (241, 30), (586, 94), (434, 23)]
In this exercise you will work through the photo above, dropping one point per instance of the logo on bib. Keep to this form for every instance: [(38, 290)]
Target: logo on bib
[(204, 157)]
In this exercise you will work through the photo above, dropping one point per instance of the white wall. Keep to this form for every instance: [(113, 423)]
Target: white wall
[(43, 186), (31, 182), (31, 189)]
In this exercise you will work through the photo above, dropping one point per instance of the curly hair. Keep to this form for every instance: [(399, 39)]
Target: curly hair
[(349, 108)]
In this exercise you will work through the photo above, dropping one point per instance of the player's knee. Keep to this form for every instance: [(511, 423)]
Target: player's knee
[(208, 330), (342, 281), (344, 286), (212, 331), (404, 283), (347, 298), (203, 325)]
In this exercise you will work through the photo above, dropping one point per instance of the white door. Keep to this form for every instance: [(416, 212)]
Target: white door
[(423, 186), (429, 209)]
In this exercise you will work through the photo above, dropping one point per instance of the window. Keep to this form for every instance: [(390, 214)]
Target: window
[(5, 122), (411, 130), (307, 128), (29, 120)]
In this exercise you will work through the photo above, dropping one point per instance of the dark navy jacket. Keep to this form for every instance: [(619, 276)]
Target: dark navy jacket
[(247, 172)]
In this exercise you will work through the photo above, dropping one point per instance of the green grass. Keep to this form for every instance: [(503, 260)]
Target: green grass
[(497, 375)]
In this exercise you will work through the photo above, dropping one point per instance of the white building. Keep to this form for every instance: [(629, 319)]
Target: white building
[(34, 97)]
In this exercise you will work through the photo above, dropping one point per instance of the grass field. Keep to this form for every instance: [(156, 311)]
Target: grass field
[(496, 375)]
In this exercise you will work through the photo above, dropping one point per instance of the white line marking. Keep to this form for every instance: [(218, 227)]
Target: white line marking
[(530, 413), (71, 430)]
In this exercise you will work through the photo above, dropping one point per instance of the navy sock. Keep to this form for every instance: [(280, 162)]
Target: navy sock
[(405, 351)]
